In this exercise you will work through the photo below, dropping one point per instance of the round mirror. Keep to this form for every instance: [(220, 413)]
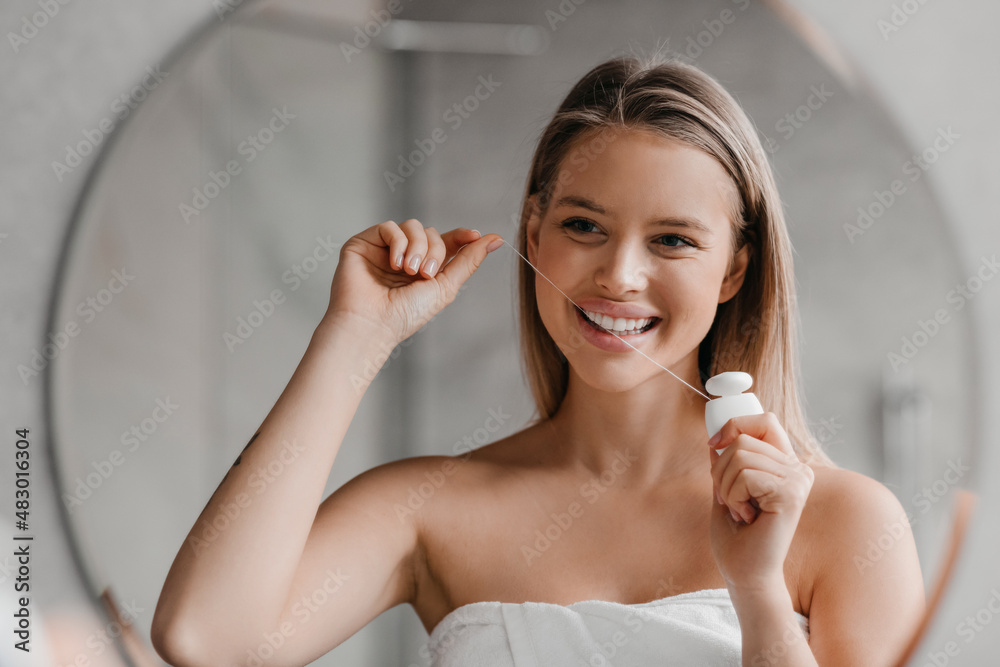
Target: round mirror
[(200, 256)]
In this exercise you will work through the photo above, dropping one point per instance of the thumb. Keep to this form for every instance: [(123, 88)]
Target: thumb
[(466, 260)]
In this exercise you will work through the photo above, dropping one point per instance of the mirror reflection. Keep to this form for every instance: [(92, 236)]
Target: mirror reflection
[(205, 247)]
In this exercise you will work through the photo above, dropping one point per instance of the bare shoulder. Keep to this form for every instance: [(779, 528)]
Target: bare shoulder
[(846, 498), (848, 508), (451, 503), (411, 486), (863, 575)]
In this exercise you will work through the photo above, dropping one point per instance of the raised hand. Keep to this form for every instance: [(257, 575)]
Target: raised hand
[(397, 277)]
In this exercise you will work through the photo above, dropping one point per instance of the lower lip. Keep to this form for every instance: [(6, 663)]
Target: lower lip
[(610, 342)]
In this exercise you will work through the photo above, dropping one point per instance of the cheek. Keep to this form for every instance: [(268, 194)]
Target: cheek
[(563, 266), (552, 305), (555, 309), (688, 295)]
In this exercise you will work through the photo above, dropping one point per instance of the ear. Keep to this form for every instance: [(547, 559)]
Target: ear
[(737, 271), (533, 226)]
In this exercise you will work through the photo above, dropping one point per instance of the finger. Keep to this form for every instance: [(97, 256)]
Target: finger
[(764, 427), (435, 253), (741, 442), (467, 259), (771, 492), (387, 235), (732, 485), (455, 239), (416, 247), (763, 487)]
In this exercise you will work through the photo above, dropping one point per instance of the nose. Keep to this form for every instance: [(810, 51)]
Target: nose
[(623, 268)]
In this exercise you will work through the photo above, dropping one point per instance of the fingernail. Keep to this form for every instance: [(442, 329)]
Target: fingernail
[(494, 245), (431, 265), (718, 497), (399, 261), (714, 440), (478, 232), (415, 262), (733, 514)]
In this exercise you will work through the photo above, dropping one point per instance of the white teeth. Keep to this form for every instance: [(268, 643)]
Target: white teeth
[(618, 325)]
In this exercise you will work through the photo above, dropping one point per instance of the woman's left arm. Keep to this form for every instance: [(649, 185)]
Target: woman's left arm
[(867, 594)]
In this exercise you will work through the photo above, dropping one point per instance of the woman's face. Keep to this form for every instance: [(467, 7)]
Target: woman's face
[(637, 227)]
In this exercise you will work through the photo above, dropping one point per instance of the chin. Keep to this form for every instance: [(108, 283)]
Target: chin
[(614, 375)]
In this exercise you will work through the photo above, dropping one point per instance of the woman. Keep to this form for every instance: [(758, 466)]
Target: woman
[(609, 531)]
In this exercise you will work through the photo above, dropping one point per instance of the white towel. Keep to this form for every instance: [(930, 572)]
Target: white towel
[(698, 628)]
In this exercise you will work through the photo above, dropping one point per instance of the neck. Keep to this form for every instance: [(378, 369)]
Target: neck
[(658, 425)]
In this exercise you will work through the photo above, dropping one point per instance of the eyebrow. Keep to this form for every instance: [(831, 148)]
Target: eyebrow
[(676, 221)]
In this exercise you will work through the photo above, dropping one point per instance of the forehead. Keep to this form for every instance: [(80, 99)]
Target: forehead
[(644, 174)]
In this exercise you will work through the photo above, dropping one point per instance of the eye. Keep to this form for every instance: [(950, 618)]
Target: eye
[(678, 238), (572, 222)]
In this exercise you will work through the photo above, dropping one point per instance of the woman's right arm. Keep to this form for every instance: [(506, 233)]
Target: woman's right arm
[(266, 566)]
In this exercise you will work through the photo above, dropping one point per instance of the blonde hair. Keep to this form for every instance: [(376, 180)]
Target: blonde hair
[(756, 330)]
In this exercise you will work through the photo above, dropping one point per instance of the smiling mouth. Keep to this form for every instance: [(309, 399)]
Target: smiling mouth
[(625, 331)]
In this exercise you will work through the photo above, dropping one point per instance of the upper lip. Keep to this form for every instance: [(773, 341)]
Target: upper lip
[(614, 309)]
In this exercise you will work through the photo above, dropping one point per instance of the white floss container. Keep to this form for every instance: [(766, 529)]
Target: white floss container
[(734, 400)]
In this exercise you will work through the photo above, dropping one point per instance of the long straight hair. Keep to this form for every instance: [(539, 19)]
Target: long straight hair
[(754, 331)]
